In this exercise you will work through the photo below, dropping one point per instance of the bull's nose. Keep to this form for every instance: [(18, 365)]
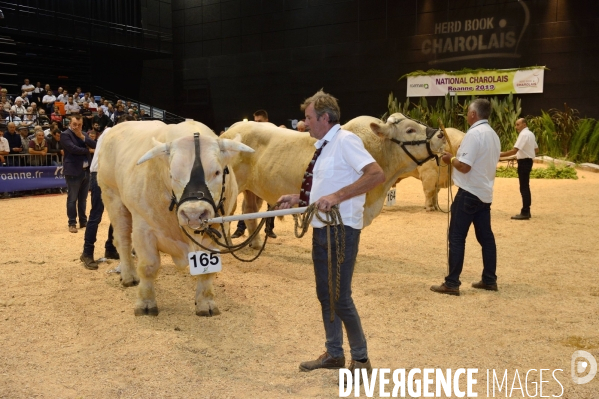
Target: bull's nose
[(195, 219)]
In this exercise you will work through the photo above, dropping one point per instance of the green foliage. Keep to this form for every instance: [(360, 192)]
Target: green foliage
[(580, 138), (551, 172), (503, 119)]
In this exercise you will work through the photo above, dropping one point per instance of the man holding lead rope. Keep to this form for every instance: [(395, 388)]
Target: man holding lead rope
[(341, 173)]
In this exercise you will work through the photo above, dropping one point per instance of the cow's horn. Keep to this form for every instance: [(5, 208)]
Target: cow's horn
[(233, 145), (160, 149)]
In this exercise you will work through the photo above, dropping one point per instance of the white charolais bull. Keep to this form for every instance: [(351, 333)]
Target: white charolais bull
[(429, 172), (281, 156), (141, 166)]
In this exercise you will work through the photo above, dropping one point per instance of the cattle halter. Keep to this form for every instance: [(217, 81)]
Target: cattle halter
[(196, 188), (430, 132)]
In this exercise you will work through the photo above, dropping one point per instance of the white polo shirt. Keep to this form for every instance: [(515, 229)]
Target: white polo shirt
[(339, 165), (94, 166), (480, 149), (4, 144), (526, 144)]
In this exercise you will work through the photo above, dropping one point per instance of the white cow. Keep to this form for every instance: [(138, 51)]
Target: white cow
[(140, 167), (281, 157), (429, 172)]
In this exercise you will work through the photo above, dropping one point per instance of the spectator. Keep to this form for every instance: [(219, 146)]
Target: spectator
[(87, 117), (43, 119), (12, 117), (78, 148), (71, 107), (64, 97), (49, 100), (24, 134), (6, 105), (4, 148), (34, 111), (85, 98), (54, 146), (301, 126), (27, 88), (14, 141), (104, 106), (95, 131), (131, 113), (25, 99), (78, 94), (110, 113), (56, 116), (119, 112), (38, 93), (92, 103), (142, 115), (39, 148), (29, 120), (19, 108), (59, 93), (102, 120)]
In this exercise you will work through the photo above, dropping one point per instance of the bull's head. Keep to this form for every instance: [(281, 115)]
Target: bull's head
[(419, 141), (197, 167)]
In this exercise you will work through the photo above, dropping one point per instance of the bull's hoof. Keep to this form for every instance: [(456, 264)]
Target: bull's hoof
[(146, 311), (129, 282), (208, 311)]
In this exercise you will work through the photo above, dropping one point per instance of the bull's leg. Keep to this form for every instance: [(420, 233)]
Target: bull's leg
[(205, 305), (429, 178), (122, 223), (251, 204), (148, 264)]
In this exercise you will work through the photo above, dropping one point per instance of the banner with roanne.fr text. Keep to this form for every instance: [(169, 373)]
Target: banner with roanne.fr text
[(23, 178), (490, 82)]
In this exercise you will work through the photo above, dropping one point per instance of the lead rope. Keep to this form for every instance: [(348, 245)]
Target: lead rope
[(332, 218)]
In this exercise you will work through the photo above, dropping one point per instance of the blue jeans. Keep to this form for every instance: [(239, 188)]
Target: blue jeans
[(466, 210), (524, 168), (345, 310), (78, 187), (95, 217)]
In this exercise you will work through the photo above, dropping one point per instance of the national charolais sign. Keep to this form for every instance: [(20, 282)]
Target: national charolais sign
[(479, 83)]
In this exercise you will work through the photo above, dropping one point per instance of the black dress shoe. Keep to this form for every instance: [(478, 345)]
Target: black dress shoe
[(237, 234), (82, 225), (482, 286), (443, 289), (521, 217), (89, 262), (270, 234), (324, 361), (111, 255)]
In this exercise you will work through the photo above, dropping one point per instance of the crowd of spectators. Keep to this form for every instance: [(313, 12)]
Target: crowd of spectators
[(31, 123)]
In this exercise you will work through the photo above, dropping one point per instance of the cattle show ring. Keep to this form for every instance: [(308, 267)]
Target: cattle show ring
[(156, 331)]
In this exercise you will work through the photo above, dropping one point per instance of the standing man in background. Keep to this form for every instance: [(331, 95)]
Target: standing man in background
[(474, 170), (526, 149), (259, 116), (78, 148)]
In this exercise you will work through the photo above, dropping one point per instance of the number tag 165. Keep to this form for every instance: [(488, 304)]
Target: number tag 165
[(204, 263)]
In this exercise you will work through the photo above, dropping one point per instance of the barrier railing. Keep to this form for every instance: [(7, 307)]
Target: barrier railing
[(20, 160)]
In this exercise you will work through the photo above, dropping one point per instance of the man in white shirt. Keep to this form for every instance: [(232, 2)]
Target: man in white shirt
[(12, 117), (28, 88), (474, 170), (4, 148), (48, 101), (341, 173), (526, 149), (63, 97), (19, 109), (71, 107)]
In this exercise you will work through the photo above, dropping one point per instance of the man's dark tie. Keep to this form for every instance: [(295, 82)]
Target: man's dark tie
[(307, 182)]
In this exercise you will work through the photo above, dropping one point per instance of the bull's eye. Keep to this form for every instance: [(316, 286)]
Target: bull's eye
[(217, 173), (411, 130)]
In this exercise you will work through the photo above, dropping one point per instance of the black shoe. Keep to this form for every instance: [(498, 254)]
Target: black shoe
[(237, 234), (89, 262), (482, 286), (83, 225), (270, 234), (521, 216), (111, 254)]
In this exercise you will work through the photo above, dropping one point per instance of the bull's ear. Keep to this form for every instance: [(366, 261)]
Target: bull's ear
[(160, 149), (381, 129)]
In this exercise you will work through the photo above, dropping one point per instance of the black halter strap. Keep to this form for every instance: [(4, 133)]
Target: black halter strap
[(196, 188), (430, 132)]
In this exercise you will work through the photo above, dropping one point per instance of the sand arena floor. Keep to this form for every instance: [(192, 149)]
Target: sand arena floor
[(66, 332)]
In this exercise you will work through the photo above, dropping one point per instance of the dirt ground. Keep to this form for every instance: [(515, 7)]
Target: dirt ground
[(67, 332)]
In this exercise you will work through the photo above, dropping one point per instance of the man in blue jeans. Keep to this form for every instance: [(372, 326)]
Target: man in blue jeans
[(474, 173), (78, 148), (340, 173)]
